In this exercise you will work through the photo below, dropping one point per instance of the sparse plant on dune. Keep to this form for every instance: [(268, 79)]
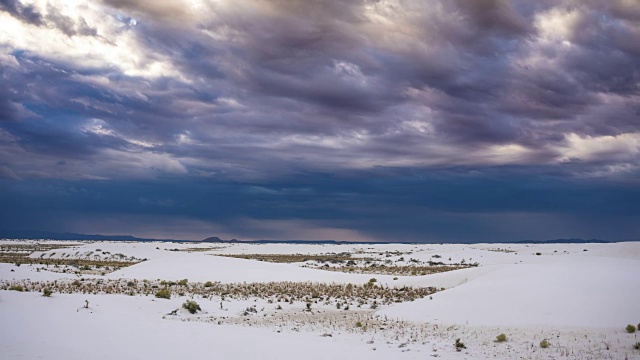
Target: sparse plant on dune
[(47, 292), (501, 338), (163, 294), (544, 344), (459, 345), (191, 306), (630, 329)]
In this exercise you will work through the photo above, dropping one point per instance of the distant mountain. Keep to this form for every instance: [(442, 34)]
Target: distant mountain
[(36, 234)]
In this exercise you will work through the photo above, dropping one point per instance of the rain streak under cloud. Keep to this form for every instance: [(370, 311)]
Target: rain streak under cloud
[(487, 120)]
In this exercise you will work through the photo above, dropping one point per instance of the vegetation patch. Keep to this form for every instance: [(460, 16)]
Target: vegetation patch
[(345, 262), (65, 260), (295, 258), (307, 292)]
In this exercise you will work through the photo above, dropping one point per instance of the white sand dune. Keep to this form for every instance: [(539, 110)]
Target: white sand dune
[(580, 300), (582, 292)]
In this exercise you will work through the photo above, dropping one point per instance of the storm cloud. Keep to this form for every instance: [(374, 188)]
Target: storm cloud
[(359, 119)]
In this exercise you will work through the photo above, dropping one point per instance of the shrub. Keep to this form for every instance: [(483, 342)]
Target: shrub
[(163, 294), (47, 292), (630, 328), (358, 324), (76, 283), (501, 338), (636, 346), (17, 288), (183, 282), (544, 344), (459, 345), (372, 280), (208, 284), (191, 306), (395, 278)]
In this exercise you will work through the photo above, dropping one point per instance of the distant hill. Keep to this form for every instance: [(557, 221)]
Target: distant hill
[(36, 234), (215, 239)]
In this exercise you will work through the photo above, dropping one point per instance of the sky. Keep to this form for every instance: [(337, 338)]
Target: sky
[(378, 120)]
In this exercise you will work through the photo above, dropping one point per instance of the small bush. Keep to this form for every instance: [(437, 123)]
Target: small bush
[(208, 284), (76, 283), (636, 346), (372, 280), (501, 338), (191, 306), (163, 294), (17, 288), (358, 324), (183, 282), (544, 344), (47, 292), (630, 328), (459, 345)]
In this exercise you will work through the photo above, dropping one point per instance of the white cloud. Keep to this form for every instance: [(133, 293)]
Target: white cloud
[(115, 44), (620, 148)]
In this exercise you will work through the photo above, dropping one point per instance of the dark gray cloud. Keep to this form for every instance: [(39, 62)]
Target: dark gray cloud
[(262, 92), (25, 12)]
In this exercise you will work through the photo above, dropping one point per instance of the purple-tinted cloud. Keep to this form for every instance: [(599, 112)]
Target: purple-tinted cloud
[(265, 90)]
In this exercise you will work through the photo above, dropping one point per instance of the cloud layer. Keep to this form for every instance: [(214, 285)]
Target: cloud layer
[(314, 94)]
